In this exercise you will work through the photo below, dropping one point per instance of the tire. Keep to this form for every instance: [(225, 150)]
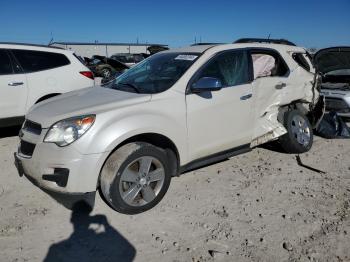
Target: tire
[(299, 136), (135, 178)]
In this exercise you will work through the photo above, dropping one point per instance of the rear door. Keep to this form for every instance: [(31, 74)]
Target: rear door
[(221, 120), (271, 83), (47, 73), (13, 87)]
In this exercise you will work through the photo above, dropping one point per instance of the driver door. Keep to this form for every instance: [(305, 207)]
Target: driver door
[(221, 120)]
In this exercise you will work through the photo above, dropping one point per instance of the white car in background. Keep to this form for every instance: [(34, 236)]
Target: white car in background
[(31, 73)]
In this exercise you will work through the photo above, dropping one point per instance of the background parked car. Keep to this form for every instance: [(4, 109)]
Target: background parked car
[(31, 73), (153, 49), (334, 65), (105, 67), (128, 59)]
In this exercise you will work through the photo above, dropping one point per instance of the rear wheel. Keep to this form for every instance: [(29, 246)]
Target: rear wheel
[(135, 178), (299, 136)]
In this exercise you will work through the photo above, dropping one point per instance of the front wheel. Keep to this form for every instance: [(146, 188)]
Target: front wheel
[(299, 136), (135, 178)]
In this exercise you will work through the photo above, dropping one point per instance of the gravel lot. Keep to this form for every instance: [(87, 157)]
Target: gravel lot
[(260, 206)]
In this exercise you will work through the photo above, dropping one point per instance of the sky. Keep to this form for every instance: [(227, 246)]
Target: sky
[(308, 23)]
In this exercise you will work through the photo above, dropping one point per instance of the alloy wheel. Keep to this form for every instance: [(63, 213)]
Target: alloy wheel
[(301, 130), (141, 181)]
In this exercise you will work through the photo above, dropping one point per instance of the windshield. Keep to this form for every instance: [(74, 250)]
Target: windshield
[(155, 74), (95, 61)]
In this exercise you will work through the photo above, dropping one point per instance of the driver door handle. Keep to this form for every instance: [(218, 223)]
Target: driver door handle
[(15, 83), (246, 97), (280, 85)]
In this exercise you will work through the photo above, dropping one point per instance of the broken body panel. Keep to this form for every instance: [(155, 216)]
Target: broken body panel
[(298, 88)]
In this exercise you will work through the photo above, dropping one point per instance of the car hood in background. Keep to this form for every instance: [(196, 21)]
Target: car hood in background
[(82, 102), (117, 65), (332, 59)]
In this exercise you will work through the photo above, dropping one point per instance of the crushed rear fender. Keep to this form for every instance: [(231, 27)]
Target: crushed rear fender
[(299, 89)]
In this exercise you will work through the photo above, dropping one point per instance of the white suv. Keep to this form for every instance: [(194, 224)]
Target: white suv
[(31, 73), (174, 111)]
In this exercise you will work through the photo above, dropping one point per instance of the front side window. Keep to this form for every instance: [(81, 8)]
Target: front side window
[(231, 68), (155, 74), (33, 61), (5, 63)]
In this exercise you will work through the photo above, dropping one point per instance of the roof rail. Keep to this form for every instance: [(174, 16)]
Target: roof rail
[(102, 43), (264, 40), (26, 44), (206, 44)]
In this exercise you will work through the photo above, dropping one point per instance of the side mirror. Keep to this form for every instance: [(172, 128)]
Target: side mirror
[(206, 84)]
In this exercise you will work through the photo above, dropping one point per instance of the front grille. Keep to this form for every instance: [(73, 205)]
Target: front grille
[(26, 148), (32, 127), (337, 104)]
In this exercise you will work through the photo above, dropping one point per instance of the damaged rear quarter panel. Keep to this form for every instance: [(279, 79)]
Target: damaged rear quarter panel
[(269, 97)]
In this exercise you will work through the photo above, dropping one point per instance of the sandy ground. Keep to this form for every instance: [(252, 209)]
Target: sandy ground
[(260, 206)]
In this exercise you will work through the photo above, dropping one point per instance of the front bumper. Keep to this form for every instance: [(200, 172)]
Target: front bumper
[(58, 169), (66, 199)]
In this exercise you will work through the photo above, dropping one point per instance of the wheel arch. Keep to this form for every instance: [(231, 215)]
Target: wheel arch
[(47, 97), (314, 113), (155, 139), (158, 140)]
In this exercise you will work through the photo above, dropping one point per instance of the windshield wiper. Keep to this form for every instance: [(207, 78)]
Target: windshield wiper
[(130, 85)]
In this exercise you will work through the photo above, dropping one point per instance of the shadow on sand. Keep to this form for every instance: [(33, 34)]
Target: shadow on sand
[(273, 146), (93, 239), (9, 131)]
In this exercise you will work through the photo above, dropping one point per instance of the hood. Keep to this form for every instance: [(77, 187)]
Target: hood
[(82, 102), (117, 65), (333, 59)]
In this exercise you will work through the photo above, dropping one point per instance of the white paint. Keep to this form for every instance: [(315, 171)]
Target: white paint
[(198, 125)]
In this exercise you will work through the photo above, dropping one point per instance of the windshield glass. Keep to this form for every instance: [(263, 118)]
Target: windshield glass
[(95, 61), (155, 74)]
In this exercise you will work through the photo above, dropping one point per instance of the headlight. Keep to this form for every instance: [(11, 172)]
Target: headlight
[(67, 131)]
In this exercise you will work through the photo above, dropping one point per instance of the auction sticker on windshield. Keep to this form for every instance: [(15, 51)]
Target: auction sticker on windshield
[(186, 57)]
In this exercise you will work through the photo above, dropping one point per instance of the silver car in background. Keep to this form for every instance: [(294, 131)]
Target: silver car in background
[(334, 65)]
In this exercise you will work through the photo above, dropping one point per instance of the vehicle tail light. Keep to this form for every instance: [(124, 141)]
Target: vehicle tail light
[(88, 74)]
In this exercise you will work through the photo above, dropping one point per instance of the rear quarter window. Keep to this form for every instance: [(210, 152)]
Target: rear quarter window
[(301, 61), (33, 61), (81, 60)]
